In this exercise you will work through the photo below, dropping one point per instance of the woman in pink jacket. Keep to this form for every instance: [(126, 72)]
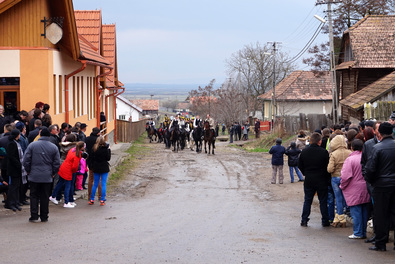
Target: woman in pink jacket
[(355, 191)]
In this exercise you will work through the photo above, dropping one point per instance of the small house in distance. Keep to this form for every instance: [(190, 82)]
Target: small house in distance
[(150, 107), (128, 111), (302, 92)]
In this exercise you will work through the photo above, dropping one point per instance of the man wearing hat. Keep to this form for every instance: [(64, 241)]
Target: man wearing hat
[(380, 173), (41, 162), (82, 135)]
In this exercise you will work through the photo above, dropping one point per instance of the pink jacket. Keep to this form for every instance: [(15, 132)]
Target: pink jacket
[(352, 182)]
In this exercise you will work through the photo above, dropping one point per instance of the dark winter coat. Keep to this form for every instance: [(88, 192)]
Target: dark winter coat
[(277, 152), (99, 160), (41, 160), (313, 162), (293, 156), (90, 141), (3, 144), (380, 169), (14, 166)]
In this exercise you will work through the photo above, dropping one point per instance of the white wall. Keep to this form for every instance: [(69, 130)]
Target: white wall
[(10, 63), (295, 108), (128, 111)]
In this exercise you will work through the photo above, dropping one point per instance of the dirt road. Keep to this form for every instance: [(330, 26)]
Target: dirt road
[(188, 208)]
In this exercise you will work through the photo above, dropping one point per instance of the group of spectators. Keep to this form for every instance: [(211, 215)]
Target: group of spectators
[(49, 160), (352, 170), (237, 130)]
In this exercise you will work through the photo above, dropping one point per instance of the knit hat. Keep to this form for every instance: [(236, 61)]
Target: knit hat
[(20, 126), (392, 116), (385, 129), (14, 134), (45, 132), (83, 125), (279, 141)]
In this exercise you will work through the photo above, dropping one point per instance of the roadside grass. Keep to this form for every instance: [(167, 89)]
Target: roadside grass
[(136, 152), (265, 142)]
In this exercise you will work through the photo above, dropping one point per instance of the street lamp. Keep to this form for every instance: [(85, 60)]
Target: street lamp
[(332, 67)]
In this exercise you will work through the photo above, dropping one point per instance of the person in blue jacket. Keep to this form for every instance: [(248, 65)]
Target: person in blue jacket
[(277, 152)]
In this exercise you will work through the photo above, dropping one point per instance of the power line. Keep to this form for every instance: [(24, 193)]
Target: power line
[(307, 46)]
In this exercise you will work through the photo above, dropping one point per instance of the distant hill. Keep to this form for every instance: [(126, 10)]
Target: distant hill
[(147, 89)]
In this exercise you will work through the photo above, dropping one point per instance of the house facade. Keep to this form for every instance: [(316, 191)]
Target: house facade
[(302, 92), (366, 60), (69, 74), (128, 111)]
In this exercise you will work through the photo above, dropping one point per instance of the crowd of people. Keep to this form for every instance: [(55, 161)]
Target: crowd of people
[(351, 168), (52, 161)]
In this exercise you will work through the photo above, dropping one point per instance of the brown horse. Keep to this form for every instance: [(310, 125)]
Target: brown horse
[(208, 137), (151, 132)]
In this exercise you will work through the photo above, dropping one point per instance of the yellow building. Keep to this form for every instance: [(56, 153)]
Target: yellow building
[(69, 74)]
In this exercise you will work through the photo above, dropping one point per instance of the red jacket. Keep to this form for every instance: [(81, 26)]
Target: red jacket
[(70, 165)]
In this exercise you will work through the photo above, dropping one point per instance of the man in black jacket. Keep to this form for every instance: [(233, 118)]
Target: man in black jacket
[(90, 141), (313, 162), (14, 169), (380, 173)]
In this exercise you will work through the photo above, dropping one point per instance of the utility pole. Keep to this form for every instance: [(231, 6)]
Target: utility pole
[(274, 105), (332, 67)]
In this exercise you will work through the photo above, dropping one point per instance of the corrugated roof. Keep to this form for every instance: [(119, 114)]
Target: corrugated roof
[(303, 86), (370, 93), (89, 25), (373, 41), (147, 105)]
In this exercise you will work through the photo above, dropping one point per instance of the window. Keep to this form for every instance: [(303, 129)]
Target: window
[(122, 117)]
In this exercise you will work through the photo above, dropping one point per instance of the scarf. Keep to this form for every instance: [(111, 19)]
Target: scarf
[(20, 152)]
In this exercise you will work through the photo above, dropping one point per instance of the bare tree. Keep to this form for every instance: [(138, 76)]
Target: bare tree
[(253, 67), (203, 99)]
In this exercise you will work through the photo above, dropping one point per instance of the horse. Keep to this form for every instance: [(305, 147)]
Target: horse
[(209, 137), (197, 135), (175, 136), (161, 134), (166, 137), (182, 137), (151, 132)]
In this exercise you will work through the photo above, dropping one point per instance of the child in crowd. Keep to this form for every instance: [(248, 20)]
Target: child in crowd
[(81, 174), (293, 157), (277, 152)]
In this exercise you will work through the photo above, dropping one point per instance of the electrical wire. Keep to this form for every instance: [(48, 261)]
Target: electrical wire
[(307, 46)]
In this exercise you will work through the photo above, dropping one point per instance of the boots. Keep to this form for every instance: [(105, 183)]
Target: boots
[(342, 220), (335, 220)]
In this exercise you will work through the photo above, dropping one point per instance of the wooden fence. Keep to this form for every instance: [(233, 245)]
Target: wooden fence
[(380, 111), (130, 131), (310, 122)]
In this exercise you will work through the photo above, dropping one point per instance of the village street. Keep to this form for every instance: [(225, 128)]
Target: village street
[(187, 208)]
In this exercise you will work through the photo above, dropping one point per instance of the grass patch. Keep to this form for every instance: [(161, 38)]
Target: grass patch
[(265, 142), (137, 150)]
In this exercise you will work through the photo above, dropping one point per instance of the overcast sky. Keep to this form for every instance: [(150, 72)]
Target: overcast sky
[(188, 41)]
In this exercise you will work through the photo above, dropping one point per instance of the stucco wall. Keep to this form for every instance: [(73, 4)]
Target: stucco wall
[(9, 63)]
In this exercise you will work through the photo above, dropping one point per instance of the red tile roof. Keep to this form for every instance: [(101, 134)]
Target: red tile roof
[(147, 105), (89, 53), (370, 93), (89, 25), (373, 42), (109, 52), (303, 86)]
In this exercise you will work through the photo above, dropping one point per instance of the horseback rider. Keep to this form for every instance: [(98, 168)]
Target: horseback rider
[(175, 122), (151, 122), (211, 124), (166, 123), (196, 121)]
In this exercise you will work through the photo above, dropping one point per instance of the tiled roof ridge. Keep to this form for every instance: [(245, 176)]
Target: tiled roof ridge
[(356, 25), (88, 42)]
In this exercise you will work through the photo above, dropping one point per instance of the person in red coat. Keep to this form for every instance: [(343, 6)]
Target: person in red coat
[(68, 167)]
